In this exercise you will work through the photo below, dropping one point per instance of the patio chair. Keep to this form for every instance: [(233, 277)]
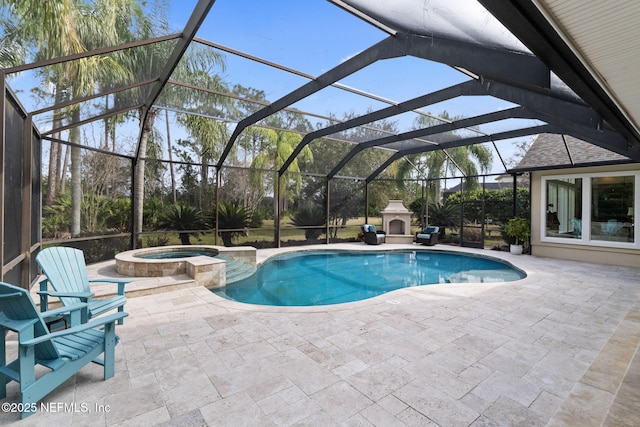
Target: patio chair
[(66, 272), (577, 226), (373, 236), (428, 236), (64, 353)]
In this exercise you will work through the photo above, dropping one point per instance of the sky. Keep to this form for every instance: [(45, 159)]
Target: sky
[(313, 36)]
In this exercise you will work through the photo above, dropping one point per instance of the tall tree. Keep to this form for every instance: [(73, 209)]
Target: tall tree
[(249, 144), (52, 29), (198, 67), (47, 30), (469, 160), (208, 134), (207, 137), (282, 144), (12, 48), (58, 28)]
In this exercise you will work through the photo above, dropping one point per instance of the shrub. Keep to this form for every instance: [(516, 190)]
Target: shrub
[(186, 219), (472, 234), (233, 219), (309, 216), (518, 228), (444, 215)]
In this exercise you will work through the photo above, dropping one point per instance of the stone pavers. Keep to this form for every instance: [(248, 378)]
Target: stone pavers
[(534, 352)]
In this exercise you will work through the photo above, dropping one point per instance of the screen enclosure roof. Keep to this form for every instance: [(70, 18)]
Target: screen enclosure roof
[(380, 80)]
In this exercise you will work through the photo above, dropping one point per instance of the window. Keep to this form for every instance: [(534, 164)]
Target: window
[(612, 208), (564, 208), (595, 209)]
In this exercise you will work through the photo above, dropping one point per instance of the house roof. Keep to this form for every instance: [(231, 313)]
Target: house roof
[(487, 186), (553, 151)]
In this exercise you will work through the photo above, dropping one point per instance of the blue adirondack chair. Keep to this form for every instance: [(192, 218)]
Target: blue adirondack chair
[(64, 352), (66, 272)]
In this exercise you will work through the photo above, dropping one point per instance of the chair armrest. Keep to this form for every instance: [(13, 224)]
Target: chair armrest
[(107, 280), (119, 282), (76, 312), (100, 321), (44, 299), (84, 296), (64, 310), (16, 325)]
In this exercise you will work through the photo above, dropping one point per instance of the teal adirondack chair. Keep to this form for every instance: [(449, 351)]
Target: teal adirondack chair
[(64, 352), (66, 272)]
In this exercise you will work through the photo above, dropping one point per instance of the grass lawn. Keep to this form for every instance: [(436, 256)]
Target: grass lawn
[(493, 236)]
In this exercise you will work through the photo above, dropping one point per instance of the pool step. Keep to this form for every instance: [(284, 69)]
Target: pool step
[(237, 270)]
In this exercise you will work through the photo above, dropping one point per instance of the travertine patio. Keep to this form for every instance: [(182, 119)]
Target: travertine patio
[(552, 349)]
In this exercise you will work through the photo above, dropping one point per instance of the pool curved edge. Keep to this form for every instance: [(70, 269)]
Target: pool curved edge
[(396, 297)]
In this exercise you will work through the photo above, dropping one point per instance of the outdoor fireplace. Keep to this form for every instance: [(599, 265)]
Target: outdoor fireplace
[(396, 222)]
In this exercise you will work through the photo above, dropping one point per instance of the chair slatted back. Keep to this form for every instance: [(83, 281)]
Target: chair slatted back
[(66, 270), (16, 304)]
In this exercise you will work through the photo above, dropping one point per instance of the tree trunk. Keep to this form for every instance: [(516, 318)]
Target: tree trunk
[(62, 167), (52, 181), (138, 191), (227, 239), (76, 179), (54, 154), (173, 174), (184, 238)]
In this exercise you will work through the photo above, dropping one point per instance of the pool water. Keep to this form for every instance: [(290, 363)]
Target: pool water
[(334, 277), (178, 254)]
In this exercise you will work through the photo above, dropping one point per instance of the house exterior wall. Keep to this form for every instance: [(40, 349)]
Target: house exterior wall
[(587, 250)]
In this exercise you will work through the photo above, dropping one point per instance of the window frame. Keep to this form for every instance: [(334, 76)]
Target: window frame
[(586, 238)]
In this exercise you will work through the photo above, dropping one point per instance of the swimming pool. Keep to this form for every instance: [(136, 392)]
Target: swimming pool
[(333, 277)]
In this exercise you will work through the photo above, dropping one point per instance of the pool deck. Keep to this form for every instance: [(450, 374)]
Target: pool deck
[(558, 348)]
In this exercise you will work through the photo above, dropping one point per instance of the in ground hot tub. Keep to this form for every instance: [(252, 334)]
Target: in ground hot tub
[(201, 262)]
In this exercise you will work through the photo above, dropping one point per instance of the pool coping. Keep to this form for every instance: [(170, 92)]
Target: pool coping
[(263, 255)]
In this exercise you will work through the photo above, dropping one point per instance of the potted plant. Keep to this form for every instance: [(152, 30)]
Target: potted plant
[(519, 229)]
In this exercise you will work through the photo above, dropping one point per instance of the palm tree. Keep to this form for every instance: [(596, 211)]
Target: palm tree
[(468, 160), (197, 66), (12, 52), (280, 146), (250, 143), (50, 29), (208, 136), (63, 27)]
